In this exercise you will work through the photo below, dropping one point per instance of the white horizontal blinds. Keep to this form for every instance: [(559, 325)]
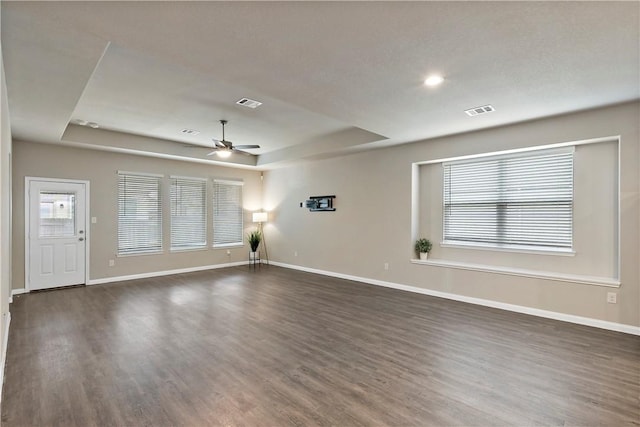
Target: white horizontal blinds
[(524, 200), (188, 213), (139, 214), (227, 213)]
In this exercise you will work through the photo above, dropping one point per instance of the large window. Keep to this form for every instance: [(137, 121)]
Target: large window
[(227, 213), (520, 201), (139, 214), (188, 213)]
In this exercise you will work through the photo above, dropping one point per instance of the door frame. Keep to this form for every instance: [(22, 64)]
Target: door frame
[(27, 224)]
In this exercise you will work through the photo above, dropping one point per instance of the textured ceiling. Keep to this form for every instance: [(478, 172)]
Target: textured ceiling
[(333, 76)]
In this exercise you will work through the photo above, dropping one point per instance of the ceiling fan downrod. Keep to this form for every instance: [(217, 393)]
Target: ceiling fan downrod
[(223, 122)]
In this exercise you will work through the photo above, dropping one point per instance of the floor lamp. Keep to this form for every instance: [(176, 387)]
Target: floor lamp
[(261, 217)]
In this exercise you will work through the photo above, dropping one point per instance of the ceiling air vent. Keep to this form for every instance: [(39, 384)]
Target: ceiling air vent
[(480, 110), (249, 103), (189, 132)]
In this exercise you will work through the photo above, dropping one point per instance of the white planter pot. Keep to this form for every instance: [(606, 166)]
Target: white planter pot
[(423, 255)]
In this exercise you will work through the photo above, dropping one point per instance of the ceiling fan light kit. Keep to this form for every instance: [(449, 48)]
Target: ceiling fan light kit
[(223, 148)]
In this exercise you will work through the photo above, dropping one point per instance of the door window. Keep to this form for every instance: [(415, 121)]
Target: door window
[(57, 214)]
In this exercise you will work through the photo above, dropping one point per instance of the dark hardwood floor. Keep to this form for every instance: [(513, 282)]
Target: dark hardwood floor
[(277, 347)]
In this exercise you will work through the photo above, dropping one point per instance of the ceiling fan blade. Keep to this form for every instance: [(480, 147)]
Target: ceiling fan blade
[(246, 147), (222, 145), (235, 150)]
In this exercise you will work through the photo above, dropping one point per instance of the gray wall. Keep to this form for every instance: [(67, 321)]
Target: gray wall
[(5, 204), (100, 168), (372, 224)]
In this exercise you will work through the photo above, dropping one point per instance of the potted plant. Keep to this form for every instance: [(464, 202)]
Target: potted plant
[(254, 239), (423, 247)]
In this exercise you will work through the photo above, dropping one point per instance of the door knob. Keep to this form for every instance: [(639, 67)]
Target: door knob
[(81, 239)]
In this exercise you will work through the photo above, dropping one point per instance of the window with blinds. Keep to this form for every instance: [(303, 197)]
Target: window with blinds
[(139, 214), (227, 213), (188, 213), (520, 201)]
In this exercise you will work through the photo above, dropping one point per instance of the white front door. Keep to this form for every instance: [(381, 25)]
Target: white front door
[(56, 234)]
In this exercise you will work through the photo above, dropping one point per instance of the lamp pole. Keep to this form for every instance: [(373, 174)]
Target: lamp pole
[(264, 244)]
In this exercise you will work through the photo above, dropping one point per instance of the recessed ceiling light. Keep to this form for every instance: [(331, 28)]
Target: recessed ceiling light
[(190, 131), (223, 154), (434, 80)]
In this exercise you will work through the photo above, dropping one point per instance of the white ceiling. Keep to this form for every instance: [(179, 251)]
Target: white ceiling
[(334, 77)]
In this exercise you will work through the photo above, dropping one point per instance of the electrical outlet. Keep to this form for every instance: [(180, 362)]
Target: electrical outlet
[(228, 251), (94, 220), (295, 253), (612, 298), (112, 263), (386, 265)]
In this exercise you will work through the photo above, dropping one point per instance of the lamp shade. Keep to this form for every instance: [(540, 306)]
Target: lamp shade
[(259, 217)]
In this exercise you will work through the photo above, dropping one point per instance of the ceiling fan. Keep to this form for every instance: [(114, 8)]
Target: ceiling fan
[(223, 148)]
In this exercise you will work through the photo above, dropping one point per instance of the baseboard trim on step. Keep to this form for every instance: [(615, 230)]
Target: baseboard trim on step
[(587, 321)]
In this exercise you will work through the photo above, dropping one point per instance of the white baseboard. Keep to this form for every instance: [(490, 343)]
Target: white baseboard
[(5, 344), (16, 292), (164, 273), (596, 323)]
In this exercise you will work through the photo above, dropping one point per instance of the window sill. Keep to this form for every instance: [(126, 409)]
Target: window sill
[(514, 249), (546, 275), (232, 245), (139, 253), (199, 248)]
